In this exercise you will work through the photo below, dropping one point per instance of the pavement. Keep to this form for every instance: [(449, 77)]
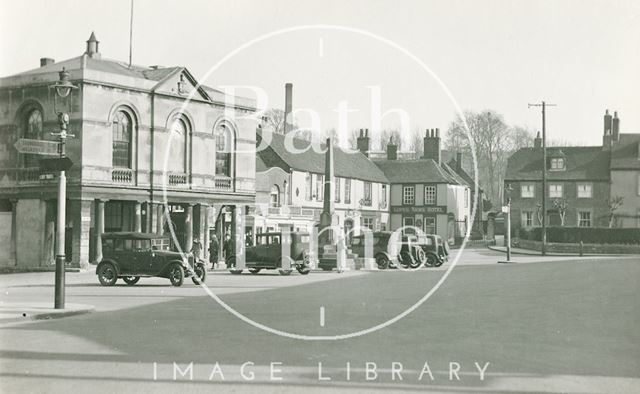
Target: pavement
[(560, 324)]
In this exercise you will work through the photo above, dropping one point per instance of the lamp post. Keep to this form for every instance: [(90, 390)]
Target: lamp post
[(508, 191), (63, 90)]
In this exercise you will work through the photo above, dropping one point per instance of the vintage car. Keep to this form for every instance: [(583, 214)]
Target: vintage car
[(267, 254), (131, 255), (435, 248), (407, 252)]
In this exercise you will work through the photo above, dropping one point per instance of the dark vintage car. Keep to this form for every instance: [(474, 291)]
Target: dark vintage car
[(407, 252), (435, 248), (267, 254), (131, 255)]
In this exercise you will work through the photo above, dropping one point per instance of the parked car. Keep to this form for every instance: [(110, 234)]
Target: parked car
[(267, 254), (131, 255), (435, 248), (406, 252)]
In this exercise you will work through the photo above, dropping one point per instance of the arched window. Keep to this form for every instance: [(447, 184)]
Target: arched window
[(275, 196), (122, 130), (33, 130), (224, 150), (177, 160)]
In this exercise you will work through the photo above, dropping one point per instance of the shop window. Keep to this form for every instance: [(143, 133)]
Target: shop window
[(368, 223), (408, 223), (430, 225)]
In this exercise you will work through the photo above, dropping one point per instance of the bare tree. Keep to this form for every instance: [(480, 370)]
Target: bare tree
[(275, 120), (561, 204), (613, 204)]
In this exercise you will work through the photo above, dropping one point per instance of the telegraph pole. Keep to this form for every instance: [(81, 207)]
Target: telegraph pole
[(544, 175)]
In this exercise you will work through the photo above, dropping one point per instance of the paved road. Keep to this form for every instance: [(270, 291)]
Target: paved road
[(561, 326)]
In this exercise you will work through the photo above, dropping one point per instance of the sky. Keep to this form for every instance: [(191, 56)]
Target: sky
[(582, 55)]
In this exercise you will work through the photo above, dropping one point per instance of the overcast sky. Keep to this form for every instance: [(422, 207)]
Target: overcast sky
[(583, 56)]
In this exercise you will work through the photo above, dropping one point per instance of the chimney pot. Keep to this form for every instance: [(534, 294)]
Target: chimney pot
[(288, 105), (437, 133), (45, 61)]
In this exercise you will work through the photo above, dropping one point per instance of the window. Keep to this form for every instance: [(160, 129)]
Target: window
[(557, 164), (407, 222), (33, 130), (308, 192), (555, 191), (408, 195), (336, 182), (177, 161), (347, 191), (430, 225), (527, 218), (367, 194), (122, 130), (118, 216), (319, 187), (430, 195), (584, 219), (585, 190), (368, 223), (383, 197), (275, 196), (466, 198), (224, 149), (527, 190)]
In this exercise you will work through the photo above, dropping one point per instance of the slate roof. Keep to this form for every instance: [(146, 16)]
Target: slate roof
[(347, 165), (418, 171), (582, 163), (625, 154)]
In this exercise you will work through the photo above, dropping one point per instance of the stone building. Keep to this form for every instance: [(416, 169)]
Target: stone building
[(427, 193), (145, 157)]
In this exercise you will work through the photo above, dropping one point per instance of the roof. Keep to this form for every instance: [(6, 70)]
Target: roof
[(417, 171), (582, 163), (346, 165), (132, 234), (625, 154)]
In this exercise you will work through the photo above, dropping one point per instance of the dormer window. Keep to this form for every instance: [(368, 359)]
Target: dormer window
[(557, 164)]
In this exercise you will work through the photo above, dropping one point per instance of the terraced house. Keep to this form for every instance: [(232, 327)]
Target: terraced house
[(581, 180), (135, 136)]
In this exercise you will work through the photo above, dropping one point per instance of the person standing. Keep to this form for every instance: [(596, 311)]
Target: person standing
[(229, 248), (213, 251)]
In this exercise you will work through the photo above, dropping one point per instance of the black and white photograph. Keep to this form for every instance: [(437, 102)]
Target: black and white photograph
[(320, 196)]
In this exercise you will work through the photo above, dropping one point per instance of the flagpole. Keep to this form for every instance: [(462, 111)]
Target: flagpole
[(131, 34)]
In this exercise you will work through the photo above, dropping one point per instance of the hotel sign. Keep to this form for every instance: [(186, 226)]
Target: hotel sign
[(419, 209)]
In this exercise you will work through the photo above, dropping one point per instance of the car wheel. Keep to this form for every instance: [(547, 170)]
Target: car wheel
[(176, 275), (439, 261), (303, 269), (131, 280), (432, 260), (382, 261), (107, 274), (419, 259), (285, 272), (199, 274), (255, 271)]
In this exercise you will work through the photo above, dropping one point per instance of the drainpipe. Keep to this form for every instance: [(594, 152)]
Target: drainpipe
[(151, 207)]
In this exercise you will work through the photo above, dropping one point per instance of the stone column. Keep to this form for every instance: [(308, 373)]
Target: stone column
[(13, 260), (188, 224), (160, 218), (205, 234), (80, 213), (137, 217), (99, 229), (237, 235)]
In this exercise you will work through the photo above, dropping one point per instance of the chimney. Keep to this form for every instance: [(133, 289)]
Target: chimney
[(288, 97), (606, 141), (537, 142), (392, 151), (615, 127), (458, 161), (92, 47), (432, 145), (363, 142), (607, 123), (45, 61)]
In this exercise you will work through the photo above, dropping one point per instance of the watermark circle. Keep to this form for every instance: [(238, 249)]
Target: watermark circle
[(459, 111)]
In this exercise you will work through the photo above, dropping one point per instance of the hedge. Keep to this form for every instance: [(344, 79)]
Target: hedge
[(591, 235)]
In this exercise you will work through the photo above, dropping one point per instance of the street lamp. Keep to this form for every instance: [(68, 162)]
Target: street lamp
[(63, 89), (508, 191)]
